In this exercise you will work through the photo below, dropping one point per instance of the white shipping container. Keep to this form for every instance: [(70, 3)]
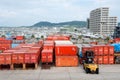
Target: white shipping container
[(61, 42)]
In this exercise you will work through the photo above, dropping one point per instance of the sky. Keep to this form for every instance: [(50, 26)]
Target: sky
[(29, 12)]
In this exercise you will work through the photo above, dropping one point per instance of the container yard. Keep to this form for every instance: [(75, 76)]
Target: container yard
[(56, 57)]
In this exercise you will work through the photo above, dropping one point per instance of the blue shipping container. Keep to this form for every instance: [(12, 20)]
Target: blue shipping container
[(14, 45), (116, 47)]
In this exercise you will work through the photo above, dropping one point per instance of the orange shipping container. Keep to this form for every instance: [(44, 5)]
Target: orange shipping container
[(96, 59), (47, 56), (100, 59), (106, 50), (105, 59), (48, 46), (5, 58), (111, 59), (2, 59), (32, 56), (19, 37), (100, 50), (66, 50), (18, 57), (111, 50), (66, 61), (95, 50)]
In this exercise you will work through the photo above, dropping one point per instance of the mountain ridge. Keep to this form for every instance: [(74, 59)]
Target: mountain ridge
[(68, 23)]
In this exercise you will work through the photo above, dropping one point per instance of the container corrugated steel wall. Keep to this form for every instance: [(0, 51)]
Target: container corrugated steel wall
[(63, 61)]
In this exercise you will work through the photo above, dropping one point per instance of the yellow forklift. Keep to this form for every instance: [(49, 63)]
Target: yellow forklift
[(88, 64)]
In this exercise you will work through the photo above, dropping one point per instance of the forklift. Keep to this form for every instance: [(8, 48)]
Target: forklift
[(88, 64)]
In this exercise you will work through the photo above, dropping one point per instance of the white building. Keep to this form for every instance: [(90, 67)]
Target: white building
[(101, 23)]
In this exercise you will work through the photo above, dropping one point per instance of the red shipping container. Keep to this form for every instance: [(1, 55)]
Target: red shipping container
[(96, 59), (111, 59), (2, 59), (106, 50), (105, 59), (31, 56), (96, 50), (100, 59), (27, 58), (111, 50), (19, 37), (66, 61), (47, 56), (84, 49), (5, 58), (34, 58), (8, 58), (14, 58), (2, 38), (21, 57), (48, 46), (100, 50), (66, 50)]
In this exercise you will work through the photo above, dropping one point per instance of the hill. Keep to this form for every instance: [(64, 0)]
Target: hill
[(70, 23)]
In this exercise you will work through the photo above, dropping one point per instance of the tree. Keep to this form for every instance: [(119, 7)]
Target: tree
[(80, 37), (42, 36), (107, 38), (3, 36), (33, 36)]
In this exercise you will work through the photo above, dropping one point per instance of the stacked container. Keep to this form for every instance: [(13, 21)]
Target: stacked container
[(66, 54), (47, 52), (5, 44), (103, 54), (24, 54), (58, 37)]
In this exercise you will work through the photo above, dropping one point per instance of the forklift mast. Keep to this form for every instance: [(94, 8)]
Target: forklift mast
[(89, 55)]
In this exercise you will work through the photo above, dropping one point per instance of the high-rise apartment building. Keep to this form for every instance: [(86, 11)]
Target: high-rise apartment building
[(101, 23)]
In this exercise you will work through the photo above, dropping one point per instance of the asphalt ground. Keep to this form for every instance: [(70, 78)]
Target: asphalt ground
[(107, 72)]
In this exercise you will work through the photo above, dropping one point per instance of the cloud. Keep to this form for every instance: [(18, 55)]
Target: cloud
[(28, 12)]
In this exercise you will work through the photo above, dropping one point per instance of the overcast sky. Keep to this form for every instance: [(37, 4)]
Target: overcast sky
[(28, 12)]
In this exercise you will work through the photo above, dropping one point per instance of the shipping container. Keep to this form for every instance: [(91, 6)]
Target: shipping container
[(84, 49), (100, 59), (105, 59), (32, 56), (100, 50), (58, 37), (49, 42), (96, 59), (47, 56), (66, 61), (14, 45), (18, 57), (2, 38), (48, 46), (5, 58), (94, 43), (2, 59), (111, 59), (19, 37), (61, 42), (111, 50), (106, 50), (66, 50), (18, 41)]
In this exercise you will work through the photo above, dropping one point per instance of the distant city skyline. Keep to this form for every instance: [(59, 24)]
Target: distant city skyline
[(29, 12)]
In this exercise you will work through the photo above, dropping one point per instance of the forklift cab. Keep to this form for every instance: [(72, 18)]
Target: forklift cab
[(89, 55)]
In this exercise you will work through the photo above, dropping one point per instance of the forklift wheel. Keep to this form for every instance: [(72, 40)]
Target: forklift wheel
[(97, 71), (87, 70)]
